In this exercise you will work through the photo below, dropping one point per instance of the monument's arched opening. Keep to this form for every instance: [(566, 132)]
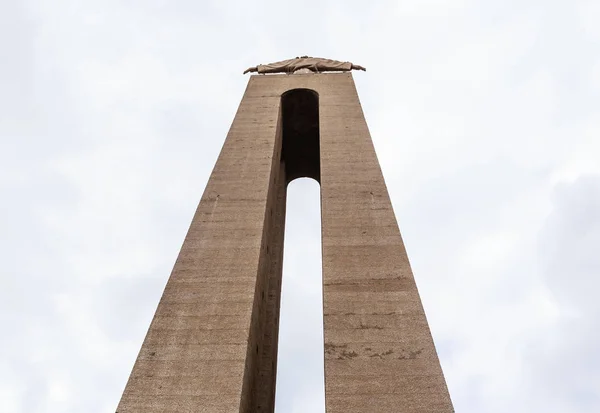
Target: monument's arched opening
[(300, 134), (300, 357)]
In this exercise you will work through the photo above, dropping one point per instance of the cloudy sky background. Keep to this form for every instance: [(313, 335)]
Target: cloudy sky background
[(486, 119)]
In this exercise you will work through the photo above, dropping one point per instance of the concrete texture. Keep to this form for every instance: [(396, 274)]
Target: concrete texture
[(212, 345)]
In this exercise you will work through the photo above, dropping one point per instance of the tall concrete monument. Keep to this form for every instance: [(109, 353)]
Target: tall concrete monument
[(212, 345)]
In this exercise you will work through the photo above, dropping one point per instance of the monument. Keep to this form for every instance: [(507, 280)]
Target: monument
[(212, 344)]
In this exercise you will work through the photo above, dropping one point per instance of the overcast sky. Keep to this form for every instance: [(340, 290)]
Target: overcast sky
[(486, 119)]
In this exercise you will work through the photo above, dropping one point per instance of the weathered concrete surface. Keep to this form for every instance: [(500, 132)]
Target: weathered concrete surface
[(212, 345), (379, 354), (205, 349)]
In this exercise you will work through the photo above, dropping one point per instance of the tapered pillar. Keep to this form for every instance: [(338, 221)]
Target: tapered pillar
[(379, 353), (212, 345)]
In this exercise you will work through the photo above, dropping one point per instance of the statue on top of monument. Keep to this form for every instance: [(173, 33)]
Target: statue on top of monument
[(313, 64)]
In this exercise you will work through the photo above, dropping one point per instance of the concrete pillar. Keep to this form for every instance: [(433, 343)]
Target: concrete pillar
[(212, 345)]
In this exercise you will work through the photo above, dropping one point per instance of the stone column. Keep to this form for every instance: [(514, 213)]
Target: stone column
[(208, 348), (212, 345), (379, 353)]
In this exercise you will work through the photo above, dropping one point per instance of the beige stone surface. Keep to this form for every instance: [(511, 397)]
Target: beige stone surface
[(304, 64), (212, 344)]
